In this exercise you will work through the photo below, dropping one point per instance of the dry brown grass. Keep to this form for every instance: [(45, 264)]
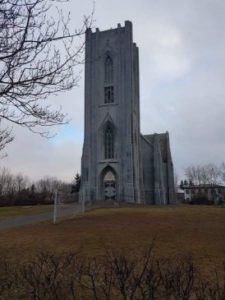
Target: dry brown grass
[(15, 211), (197, 230)]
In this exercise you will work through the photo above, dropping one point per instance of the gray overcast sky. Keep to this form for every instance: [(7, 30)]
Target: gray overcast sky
[(182, 72)]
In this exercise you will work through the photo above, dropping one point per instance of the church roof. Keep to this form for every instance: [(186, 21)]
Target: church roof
[(162, 139), (144, 137)]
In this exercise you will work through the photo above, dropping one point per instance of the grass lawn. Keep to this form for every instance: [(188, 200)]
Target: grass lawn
[(196, 230), (15, 211)]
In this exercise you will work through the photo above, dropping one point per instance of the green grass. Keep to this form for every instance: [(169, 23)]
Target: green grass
[(182, 230), (15, 211)]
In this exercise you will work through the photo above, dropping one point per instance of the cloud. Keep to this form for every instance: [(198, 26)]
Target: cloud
[(37, 157), (182, 71)]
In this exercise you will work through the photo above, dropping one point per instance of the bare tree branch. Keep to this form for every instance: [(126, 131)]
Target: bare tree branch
[(38, 56), (205, 174)]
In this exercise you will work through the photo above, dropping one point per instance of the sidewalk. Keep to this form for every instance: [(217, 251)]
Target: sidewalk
[(63, 211)]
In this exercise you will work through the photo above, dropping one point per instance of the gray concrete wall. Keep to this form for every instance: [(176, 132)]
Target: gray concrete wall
[(123, 114), (148, 174), (143, 168), (158, 181)]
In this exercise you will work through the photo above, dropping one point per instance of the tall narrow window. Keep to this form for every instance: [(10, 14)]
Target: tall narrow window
[(109, 142), (109, 94), (108, 89), (108, 70)]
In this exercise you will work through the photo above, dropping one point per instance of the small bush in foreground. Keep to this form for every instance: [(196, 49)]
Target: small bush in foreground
[(114, 276)]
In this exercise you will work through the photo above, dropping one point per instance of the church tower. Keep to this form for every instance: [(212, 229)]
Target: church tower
[(111, 167)]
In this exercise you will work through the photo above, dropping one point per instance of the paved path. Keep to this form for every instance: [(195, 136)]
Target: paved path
[(65, 210)]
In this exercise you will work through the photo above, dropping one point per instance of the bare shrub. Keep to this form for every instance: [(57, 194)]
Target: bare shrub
[(114, 276)]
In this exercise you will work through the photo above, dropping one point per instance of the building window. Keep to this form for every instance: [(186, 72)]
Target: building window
[(109, 94), (109, 142), (108, 69), (109, 88)]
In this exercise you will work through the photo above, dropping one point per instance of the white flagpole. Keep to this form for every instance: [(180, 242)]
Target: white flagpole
[(83, 203), (55, 207)]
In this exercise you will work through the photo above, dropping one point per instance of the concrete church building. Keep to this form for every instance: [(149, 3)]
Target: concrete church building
[(118, 162)]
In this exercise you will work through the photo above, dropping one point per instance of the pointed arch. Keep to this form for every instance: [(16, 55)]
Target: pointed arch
[(109, 140), (107, 119), (108, 181), (108, 69)]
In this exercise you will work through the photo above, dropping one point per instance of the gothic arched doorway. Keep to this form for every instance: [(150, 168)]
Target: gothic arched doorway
[(109, 184)]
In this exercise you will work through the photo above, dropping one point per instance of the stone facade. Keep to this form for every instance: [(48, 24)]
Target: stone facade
[(118, 163)]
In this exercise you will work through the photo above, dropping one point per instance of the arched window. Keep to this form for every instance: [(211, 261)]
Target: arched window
[(109, 184), (109, 94), (108, 69), (109, 88), (109, 142)]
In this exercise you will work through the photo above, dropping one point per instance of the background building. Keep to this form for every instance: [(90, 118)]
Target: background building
[(204, 193)]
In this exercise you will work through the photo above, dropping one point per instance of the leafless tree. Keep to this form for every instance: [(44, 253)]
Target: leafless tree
[(21, 182), (18, 189), (38, 53), (7, 182), (48, 184), (10, 183), (203, 174), (5, 138), (222, 172)]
